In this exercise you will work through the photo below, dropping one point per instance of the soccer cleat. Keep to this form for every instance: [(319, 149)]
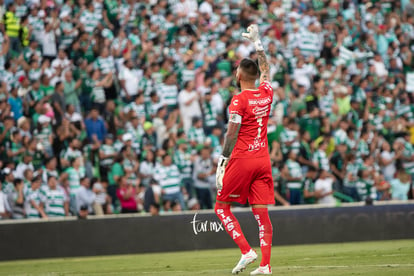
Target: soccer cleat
[(262, 270), (245, 260)]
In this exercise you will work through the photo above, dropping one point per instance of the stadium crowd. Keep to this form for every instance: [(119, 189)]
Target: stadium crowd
[(111, 106)]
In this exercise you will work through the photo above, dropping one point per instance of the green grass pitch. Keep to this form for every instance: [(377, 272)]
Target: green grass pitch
[(365, 258)]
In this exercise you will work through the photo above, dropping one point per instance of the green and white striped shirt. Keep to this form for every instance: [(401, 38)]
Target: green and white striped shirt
[(54, 201), (309, 44), (107, 149), (408, 152), (295, 170), (132, 177), (8, 187), (30, 196), (168, 94), (406, 111), (21, 11), (187, 75), (43, 136), (183, 162), (105, 65), (288, 135), (138, 109), (169, 178), (210, 114), (66, 39), (366, 188), (74, 177), (89, 21), (362, 148), (340, 137), (320, 157), (197, 135)]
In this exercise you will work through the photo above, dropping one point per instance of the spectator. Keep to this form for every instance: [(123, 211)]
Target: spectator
[(184, 161), (365, 185), (400, 185), (95, 126), (33, 204), (310, 194), (324, 188), (107, 155), (102, 204), (16, 199), (25, 164), (387, 161), (54, 198), (204, 175), (168, 176), (147, 168), (292, 172), (152, 198), (188, 101), (84, 196), (129, 80), (196, 134), (8, 186), (126, 194), (4, 204)]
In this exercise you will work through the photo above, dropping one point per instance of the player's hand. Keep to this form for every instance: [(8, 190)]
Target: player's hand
[(221, 167), (252, 33)]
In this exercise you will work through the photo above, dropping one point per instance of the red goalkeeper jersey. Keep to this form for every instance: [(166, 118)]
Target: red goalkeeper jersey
[(254, 108)]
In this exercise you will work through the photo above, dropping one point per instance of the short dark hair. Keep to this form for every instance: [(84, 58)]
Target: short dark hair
[(249, 69)]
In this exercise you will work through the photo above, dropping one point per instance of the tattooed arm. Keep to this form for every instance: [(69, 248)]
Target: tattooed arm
[(231, 138), (263, 66)]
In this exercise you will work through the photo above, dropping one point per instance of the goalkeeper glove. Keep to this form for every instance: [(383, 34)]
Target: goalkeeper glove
[(253, 35), (221, 167)]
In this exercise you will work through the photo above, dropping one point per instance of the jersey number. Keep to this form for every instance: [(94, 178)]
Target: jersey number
[(259, 129)]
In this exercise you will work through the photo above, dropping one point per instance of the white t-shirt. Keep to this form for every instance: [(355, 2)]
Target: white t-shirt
[(4, 205), (64, 63), (132, 78), (389, 170), (326, 186), (206, 7), (192, 109), (49, 44)]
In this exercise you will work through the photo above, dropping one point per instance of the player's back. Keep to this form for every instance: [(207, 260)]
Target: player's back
[(254, 108)]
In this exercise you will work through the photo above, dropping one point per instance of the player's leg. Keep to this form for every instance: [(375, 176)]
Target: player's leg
[(260, 196), (261, 215), (232, 226), (235, 190)]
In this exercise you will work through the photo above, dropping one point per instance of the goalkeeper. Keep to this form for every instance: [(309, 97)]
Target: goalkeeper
[(244, 169)]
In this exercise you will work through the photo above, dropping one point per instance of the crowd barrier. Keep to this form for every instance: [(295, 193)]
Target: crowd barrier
[(199, 230)]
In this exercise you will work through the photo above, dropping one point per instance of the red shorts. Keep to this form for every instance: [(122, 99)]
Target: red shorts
[(248, 179)]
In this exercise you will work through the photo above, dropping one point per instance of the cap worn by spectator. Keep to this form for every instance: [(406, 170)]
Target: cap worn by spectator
[(127, 137)]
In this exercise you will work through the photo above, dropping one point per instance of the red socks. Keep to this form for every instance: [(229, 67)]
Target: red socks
[(232, 226), (265, 233)]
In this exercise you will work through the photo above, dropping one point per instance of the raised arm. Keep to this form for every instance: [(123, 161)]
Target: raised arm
[(253, 35)]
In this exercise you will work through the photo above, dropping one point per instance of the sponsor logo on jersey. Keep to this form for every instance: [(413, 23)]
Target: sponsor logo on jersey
[(257, 145), (260, 111), (262, 101), (235, 102)]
